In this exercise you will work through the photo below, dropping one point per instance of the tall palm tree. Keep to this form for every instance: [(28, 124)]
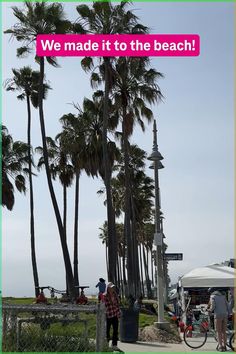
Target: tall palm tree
[(14, 167), (60, 167), (72, 139), (120, 236), (26, 82), (106, 18), (84, 132), (135, 86), (141, 194), (33, 19), (145, 234)]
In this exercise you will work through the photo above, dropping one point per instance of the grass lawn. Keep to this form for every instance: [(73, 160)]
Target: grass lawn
[(144, 319), (70, 335), (18, 300)]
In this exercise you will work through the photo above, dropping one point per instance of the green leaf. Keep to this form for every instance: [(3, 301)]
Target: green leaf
[(20, 183), (87, 64), (22, 52)]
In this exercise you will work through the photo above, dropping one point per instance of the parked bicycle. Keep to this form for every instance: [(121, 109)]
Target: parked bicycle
[(201, 328)]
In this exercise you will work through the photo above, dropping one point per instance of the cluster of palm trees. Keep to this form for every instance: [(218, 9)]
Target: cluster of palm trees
[(96, 139)]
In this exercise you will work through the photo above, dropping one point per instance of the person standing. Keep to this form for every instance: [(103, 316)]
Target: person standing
[(112, 314), (219, 306), (101, 285)]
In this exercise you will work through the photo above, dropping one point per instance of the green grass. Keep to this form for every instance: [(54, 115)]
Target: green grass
[(19, 301), (146, 320), (62, 337)]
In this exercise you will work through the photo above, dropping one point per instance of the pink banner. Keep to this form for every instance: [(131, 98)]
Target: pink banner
[(167, 45)]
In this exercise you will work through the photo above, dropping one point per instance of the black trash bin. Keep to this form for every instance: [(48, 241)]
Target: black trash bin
[(129, 323)]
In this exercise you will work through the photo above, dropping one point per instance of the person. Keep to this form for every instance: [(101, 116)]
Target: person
[(138, 303), (101, 285), (111, 301), (82, 299), (219, 306), (139, 306)]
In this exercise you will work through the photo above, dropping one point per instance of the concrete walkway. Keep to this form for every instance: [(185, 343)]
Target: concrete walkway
[(148, 347)]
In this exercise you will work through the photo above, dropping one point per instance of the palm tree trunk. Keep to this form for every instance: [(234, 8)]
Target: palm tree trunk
[(76, 221), (135, 252), (107, 258), (148, 283), (112, 243), (121, 279), (32, 231), (141, 270), (64, 208), (152, 268), (64, 223), (118, 272), (149, 289), (127, 226), (145, 266), (124, 272), (65, 251)]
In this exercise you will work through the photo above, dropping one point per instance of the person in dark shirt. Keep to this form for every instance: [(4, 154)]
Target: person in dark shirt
[(112, 314), (101, 285)]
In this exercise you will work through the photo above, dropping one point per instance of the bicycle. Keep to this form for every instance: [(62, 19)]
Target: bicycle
[(196, 334)]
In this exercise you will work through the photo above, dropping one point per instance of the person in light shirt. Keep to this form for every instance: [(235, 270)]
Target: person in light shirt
[(219, 306)]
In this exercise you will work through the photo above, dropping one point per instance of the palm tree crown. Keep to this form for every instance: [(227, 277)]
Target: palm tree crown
[(26, 82), (38, 18), (14, 162)]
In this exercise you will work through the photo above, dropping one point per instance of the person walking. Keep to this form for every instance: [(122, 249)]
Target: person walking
[(219, 306), (112, 314)]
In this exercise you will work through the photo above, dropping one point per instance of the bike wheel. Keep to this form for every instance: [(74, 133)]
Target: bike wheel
[(232, 342), (195, 336)]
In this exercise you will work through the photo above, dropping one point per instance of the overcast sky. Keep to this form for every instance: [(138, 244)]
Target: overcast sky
[(195, 136)]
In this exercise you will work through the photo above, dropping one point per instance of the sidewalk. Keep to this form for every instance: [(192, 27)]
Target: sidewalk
[(151, 347), (210, 346)]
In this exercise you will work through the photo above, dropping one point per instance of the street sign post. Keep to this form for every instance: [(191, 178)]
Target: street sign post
[(173, 256)]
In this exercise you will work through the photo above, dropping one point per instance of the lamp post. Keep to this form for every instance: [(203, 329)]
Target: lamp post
[(158, 237)]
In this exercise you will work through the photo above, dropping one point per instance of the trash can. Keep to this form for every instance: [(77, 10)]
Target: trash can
[(129, 324)]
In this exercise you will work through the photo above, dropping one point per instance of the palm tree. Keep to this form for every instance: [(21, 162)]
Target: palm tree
[(26, 82), (120, 236), (84, 132), (145, 234), (14, 163), (33, 19), (105, 18), (60, 167), (141, 194), (73, 133), (134, 86)]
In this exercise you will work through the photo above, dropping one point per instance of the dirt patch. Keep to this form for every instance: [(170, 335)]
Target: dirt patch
[(153, 334)]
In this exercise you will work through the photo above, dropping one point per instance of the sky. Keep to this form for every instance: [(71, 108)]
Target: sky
[(195, 136)]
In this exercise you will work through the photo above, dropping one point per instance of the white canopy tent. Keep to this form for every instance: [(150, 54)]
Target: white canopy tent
[(211, 276)]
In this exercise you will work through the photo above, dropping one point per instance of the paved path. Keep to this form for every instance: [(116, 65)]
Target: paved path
[(151, 347), (148, 347)]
